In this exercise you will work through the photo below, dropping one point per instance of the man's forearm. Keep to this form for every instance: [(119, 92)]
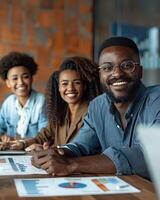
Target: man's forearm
[(92, 164)]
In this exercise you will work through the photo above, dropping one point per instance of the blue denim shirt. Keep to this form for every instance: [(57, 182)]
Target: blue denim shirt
[(9, 115), (102, 131)]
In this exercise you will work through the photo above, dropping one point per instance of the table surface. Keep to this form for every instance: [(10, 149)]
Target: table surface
[(8, 190)]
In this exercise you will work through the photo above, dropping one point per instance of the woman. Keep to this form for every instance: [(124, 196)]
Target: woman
[(22, 113), (69, 92)]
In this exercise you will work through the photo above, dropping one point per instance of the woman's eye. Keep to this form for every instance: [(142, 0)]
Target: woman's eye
[(26, 77), (64, 84), (77, 82), (14, 79)]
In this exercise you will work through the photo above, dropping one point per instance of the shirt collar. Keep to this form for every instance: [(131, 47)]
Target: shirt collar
[(81, 110), (27, 104)]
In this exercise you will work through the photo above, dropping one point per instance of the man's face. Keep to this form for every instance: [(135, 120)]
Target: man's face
[(121, 85)]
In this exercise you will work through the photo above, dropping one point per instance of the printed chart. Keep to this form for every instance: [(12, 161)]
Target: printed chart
[(18, 165), (69, 186)]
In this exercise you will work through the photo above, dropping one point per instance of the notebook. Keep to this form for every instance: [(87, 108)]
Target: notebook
[(150, 140)]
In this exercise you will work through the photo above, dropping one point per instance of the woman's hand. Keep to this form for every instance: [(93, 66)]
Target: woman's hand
[(5, 142), (38, 147), (34, 147), (5, 138), (16, 145)]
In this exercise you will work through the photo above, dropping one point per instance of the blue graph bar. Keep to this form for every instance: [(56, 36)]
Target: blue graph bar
[(31, 187), (12, 163)]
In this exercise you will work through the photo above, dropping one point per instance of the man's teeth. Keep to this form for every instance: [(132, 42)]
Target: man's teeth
[(119, 83)]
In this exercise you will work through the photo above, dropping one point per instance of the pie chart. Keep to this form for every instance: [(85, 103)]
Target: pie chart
[(72, 185)]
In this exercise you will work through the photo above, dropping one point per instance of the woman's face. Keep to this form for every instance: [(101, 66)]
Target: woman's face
[(19, 80), (71, 87)]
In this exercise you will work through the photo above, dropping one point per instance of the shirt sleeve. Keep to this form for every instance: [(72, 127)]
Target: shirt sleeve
[(40, 109), (42, 121), (3, 128), (128, 160)]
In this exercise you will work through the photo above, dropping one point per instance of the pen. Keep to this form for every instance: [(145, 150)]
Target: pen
[(60, 150), (118, 187)]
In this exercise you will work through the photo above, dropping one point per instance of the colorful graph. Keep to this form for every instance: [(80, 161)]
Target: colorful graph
[(72, 185)]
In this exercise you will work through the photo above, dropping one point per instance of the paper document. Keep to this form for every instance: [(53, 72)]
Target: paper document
[(18, 165), (39, 187)]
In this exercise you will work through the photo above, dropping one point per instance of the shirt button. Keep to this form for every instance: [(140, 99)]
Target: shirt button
[(118, 126), (131, 115)]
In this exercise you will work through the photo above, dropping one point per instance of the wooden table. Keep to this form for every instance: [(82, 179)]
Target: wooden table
[(8, 190)]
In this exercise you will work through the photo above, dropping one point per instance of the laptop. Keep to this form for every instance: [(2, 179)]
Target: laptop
[(12, 152), (150, 139)]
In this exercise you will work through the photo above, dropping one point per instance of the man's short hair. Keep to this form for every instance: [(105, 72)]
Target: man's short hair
[(118, 41)]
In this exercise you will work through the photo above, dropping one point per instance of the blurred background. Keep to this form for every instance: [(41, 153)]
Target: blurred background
[(51, 30)]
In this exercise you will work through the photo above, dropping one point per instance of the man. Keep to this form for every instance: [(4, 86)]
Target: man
[(107, 143)]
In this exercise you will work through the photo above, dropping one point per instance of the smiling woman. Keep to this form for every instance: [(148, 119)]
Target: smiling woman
[(68, 93), (22, 113), (71, 87)]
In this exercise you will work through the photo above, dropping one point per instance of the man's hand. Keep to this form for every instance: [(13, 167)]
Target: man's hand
[(53, 161)]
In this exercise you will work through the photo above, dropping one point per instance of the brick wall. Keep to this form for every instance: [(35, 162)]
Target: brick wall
[(49, 30)]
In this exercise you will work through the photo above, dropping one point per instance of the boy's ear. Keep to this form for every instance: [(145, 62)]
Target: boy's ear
[(7, 83)]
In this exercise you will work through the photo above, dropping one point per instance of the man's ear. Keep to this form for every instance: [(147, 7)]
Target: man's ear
[(8, 83)]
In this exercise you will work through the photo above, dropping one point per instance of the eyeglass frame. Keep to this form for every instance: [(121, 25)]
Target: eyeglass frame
[(120, 66)]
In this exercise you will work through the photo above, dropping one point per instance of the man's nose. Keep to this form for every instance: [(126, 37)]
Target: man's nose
[(117, 71)]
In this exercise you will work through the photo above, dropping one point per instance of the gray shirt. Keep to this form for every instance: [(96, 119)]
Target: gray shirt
[(102, 131)]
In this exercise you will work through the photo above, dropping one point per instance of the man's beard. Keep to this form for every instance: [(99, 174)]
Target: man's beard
[(124, 99)]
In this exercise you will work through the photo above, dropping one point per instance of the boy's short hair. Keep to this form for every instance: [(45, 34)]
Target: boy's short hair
[(15, 59)]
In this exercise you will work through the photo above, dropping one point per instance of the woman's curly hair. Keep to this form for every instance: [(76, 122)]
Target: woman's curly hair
[(14, 59), (88, 70)]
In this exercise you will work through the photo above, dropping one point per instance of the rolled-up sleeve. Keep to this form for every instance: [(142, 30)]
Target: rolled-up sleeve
[(126, 162)]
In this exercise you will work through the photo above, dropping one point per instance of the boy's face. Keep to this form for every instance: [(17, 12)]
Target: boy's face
[(19, 80)]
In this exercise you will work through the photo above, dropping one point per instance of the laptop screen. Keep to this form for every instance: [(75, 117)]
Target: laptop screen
[(150, 139)]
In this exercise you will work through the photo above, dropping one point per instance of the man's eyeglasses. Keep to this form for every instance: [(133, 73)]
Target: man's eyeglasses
[(127, 66)]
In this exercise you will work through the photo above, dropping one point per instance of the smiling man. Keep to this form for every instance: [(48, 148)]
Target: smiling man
[(107, 143)]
